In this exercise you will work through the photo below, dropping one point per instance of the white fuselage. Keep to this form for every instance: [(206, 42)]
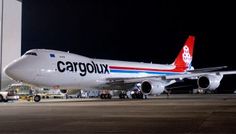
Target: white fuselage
[(62, 70), (56, 69)]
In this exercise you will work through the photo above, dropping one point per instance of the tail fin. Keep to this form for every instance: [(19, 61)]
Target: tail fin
[(184, 58)]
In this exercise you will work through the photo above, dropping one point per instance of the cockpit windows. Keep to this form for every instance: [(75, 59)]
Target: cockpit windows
[(31, 53)]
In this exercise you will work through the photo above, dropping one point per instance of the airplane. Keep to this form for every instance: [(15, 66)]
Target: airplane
[(63, 70)]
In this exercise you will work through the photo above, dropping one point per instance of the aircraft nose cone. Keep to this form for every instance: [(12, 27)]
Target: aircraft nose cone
[(19, 70), (11, 70)]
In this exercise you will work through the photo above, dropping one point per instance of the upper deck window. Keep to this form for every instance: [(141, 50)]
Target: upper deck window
[(31, 53)]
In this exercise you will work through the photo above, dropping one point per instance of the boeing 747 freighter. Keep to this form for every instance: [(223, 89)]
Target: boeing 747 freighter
[(63, 70)]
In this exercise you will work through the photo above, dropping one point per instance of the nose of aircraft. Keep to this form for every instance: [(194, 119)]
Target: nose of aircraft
[(19, 71), (12, 70)]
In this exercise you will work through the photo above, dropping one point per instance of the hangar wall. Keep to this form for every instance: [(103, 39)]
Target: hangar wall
[(11, 14)]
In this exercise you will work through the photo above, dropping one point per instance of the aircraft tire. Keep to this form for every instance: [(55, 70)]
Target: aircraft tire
[(133, 96), (109, 96), (37, 98), (102, 96), (106, 96), (139, 96), (122, 96)]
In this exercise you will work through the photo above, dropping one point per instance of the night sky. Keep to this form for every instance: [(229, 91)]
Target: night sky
[(147, 31)]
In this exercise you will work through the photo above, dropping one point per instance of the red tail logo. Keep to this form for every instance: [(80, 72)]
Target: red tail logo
[(184, 58)]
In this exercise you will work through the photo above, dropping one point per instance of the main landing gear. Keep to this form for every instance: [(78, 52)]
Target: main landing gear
[(131, 94), (123, 95), (105, 96), (137, 95)]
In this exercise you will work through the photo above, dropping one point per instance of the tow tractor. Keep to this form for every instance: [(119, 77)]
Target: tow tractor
[(5, 96)]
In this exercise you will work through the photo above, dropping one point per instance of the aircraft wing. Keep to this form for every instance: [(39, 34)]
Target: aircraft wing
[(209, 69), (134, 79), (191, 75), (177, 77), (125, 83)]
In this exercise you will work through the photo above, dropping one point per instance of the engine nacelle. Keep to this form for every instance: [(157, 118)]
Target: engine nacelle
[(210, 82), (151, 87)]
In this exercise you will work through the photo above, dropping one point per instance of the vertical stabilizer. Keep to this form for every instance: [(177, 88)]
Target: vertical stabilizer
[(184, 59)]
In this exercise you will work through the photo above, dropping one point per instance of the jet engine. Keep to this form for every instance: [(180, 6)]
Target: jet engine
[(152, 87), (210, 82)]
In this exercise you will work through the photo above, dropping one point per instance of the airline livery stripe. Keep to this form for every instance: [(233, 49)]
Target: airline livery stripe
[(144, 69), (135, 68), (148, 72)]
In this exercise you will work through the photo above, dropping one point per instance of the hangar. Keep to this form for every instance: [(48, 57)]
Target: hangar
[(10, 35)]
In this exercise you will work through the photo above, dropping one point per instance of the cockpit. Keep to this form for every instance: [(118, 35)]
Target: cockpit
[(31, 53)]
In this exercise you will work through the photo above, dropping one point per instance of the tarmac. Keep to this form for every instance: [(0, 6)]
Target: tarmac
[(176, 114)]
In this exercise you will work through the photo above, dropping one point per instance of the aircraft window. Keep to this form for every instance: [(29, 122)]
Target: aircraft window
[(31, 53)]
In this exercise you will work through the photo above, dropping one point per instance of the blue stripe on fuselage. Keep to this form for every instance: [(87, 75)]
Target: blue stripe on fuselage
[(148, 72)]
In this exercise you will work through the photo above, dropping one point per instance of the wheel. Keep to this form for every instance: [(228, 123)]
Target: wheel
[(109, 96), (121, 96), (140, 96), (1, 98), (106, 96), (102, 96), (133, 96), (37, 98)]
